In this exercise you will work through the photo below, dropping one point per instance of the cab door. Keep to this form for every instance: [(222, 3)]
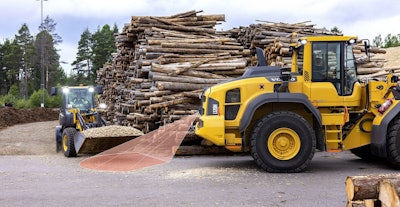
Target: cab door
[(333, 75)]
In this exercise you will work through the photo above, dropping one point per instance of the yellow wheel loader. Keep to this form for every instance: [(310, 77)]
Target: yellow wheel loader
[(78, 112), (283, 115)]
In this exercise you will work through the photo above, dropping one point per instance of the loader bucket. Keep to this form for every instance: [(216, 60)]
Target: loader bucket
[(154, 148), (90, 145)]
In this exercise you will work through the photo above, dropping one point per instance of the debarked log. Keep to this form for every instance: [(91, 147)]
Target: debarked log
[(180, 86), (365, 187), (183, 79)]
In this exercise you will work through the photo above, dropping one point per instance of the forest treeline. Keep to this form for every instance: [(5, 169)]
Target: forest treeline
[(31, 63)]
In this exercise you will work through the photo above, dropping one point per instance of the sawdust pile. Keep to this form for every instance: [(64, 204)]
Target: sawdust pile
[(392, 57)]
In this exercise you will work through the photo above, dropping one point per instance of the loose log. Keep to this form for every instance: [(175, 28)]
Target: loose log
[(169, 103), (362, 71), (389, 190), (199, 40), (201, 46), (364, 203), (189, 50), (183, 79), (180, 86), (365, 187)]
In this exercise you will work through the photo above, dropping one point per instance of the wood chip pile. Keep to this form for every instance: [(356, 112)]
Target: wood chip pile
[(112, 131), (373, 190)]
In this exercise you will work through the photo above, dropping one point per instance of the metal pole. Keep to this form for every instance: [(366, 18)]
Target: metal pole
[(42, 55)]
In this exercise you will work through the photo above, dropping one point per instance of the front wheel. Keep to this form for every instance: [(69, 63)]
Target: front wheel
[(282, 141), (68, 145), (393, 143)]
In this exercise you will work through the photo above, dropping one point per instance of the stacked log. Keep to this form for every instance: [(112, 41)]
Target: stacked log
[(373, 190), (162, 66), (275, 38)]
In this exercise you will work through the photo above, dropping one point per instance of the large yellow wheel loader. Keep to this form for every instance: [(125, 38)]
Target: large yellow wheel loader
[(283, 115)]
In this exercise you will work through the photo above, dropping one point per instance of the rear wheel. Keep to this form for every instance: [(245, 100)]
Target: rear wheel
[(282, 142), (393, 143), (68, 146)]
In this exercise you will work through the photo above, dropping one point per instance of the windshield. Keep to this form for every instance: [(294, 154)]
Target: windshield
[(80, 98)]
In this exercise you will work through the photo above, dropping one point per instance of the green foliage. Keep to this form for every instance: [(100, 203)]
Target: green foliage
[(389, 41), (14, 91), (8, 99), (377, 41), (34, 101), (83, 62), (36, 98), (22, 104), (25, 41), (93, 51), (23, 59), (336, 30)]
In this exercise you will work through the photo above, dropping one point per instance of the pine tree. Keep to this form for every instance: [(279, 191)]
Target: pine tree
[(11, 57), (377, 41), (25, 41), (47, 58), (103, 46), (83, 63)]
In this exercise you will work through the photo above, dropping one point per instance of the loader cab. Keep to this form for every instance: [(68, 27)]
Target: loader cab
[(81, 98), (329, 71)]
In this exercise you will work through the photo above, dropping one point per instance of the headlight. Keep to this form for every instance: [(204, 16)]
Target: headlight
[(102, 106), (91, 89), (65, 90)]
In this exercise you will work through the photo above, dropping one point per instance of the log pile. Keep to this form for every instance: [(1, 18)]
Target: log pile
[(162, 65), (275, 38), (373, 190)]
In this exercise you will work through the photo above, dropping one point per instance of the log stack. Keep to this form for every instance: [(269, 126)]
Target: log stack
[(275, 38), (162, 66), (373, 190)]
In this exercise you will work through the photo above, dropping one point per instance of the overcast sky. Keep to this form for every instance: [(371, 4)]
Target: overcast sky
[(364, 18)]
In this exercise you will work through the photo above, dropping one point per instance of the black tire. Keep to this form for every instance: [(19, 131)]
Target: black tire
[(393, 143), (286, 130), (67, 140)]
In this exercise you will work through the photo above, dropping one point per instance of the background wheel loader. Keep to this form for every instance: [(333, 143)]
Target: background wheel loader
[(283, 115), (78, 112)]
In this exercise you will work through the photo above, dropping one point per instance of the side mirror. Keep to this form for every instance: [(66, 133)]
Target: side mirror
[(366, 46), (54, 91), (99, 89), (260, 57)]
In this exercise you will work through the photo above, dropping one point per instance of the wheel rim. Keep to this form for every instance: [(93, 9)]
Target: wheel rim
[(64, 143), (284, 144)]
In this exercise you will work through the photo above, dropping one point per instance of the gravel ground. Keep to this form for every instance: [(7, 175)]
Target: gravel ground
[(49, 180), (34, 175)]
